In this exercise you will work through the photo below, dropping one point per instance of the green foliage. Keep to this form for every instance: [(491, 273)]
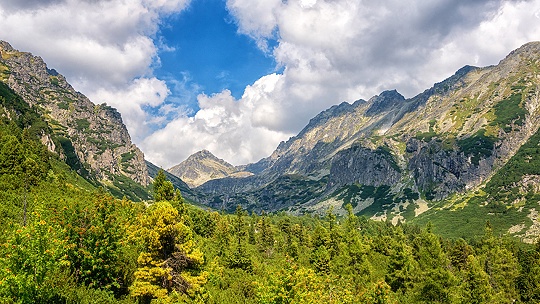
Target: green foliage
[(509, 112), (503, 186), (387, 154), (123, 186), (126, 157), (163, 188), (33, 257), (478, 145), (82, 124), (169, 263), (72, 159)]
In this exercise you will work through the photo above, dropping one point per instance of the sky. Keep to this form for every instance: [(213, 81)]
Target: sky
[(237, 77)]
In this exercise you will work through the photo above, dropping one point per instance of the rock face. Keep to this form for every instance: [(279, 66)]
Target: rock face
[(448, 139), (204, 166), (363, 166), (91, 138)]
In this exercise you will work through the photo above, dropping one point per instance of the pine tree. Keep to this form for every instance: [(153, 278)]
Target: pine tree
[(163, 188), (476, 288), (169, 265)]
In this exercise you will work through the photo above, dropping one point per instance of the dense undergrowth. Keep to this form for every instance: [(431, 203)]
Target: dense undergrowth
[(62, 240)]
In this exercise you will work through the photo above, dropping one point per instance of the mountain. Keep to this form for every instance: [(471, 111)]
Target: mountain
[(396, 158), (204, 166), (91, 139)]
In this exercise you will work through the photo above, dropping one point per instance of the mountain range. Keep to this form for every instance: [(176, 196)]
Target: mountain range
[(396, 158), (462, 152)]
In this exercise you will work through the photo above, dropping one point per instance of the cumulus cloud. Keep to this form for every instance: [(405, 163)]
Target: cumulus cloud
[(343, 50), (104, 48), (346, 50), (225, 126), (329, 51), (130, 101)]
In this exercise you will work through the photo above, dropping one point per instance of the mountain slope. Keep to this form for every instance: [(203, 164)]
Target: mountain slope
[(91, 138), (204, 166), (395, 158)]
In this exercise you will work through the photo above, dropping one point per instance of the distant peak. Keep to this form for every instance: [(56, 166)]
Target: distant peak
[(4, 45), (203, 154), (391, 94), (529, 49), (384, 102)]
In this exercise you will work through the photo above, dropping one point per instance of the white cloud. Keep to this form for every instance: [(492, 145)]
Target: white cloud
[(235, 130), (330, 51), (104, 48), (131, 100), (346, 50)]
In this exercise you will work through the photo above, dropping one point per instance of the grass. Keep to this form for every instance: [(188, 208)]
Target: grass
[(469, 222), (124, 186), (509, 112), (82, 124)]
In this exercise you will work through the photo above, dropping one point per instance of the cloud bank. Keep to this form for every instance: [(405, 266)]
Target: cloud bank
[(344, 50), (330, 51), (105, 48)]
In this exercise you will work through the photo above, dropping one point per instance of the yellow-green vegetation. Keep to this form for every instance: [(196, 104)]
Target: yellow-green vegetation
[(8, 55), (4, 72), (54, 80), (73, 243), (509, 112), (461, 111)]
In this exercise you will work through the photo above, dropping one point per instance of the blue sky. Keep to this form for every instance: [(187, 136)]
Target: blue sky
[(207, 51), (188, 75)]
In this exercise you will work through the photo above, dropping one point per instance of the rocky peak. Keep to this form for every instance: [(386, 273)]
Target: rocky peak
[(5, 46), (448, 139), (91, 138), (203, 166), (384, 102)]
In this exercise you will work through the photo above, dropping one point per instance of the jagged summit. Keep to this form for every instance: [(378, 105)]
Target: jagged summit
[(384, 102), (203, 166), (4, 45)]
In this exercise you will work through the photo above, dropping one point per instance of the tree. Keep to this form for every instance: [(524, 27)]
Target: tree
[(31, 261), (163, 188), (501, 266), (239, 258), (23, 163), (169, 264), (476, 287), (438, 283), (403, 268)]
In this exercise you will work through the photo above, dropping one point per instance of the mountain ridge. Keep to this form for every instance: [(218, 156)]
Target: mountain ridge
[(396, 158), (91, 138)]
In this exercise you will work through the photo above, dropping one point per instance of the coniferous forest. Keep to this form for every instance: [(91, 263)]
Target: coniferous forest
[(64, 240)]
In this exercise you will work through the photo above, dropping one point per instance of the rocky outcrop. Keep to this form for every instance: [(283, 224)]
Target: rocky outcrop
[(363, 166), (91, 138)]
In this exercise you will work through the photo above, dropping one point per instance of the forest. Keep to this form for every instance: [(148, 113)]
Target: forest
[(64, 240)]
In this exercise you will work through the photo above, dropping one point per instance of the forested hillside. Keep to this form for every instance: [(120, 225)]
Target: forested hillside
[(64, 241), (68, 239), (80, 246)]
